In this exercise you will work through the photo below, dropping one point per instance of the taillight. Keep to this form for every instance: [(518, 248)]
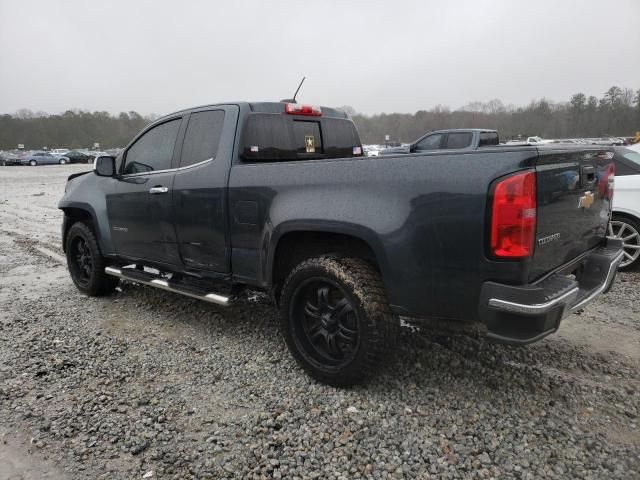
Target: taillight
[(308, 110), (513, 216), (611, 181)]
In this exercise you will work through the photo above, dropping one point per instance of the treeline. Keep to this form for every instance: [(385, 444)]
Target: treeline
[(616, 113), (72, 129)]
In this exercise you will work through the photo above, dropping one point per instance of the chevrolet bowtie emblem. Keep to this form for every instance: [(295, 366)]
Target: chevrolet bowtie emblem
[(586, 200)]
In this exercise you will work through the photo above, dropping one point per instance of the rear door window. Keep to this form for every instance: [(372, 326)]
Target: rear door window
[(202, 137), (457, 140), (153, 150)]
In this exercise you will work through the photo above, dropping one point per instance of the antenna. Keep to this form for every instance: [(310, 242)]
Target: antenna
[(293, 100)]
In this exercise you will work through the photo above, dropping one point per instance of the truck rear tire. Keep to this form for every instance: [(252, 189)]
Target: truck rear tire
[(336, 320), (86, 263)]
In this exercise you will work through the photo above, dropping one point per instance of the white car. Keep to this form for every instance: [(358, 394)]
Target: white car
[(59, 152), (625, 220), (635, 147), (538, 140)]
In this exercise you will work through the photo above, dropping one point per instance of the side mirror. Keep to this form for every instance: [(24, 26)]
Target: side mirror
[(104, 166)]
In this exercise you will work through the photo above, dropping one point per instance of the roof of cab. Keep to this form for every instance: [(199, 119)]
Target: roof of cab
[(278, 107), (258, 107), (481, 130)]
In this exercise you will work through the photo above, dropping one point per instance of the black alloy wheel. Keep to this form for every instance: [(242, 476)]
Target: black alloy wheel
[(86, 263), (336, 319), (328, 326), (81, 263)]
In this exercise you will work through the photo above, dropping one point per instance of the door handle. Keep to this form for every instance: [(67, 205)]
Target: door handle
[(157, 190)]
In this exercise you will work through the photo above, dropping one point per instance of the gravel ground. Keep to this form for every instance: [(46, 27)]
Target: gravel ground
[(145, 384)]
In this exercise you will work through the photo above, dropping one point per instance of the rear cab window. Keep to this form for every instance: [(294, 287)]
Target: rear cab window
[(488, 139), (270, 134)]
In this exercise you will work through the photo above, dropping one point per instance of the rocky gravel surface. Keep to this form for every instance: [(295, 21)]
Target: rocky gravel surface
[(145, 384)]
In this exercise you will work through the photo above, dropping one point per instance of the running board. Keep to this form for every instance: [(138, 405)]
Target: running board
[(146, 278)]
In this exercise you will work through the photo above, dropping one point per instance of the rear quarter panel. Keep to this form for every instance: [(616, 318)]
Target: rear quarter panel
[(423, 215)]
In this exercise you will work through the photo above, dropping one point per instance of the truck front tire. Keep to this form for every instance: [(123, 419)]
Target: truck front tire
[(336, 320), (86, 263)]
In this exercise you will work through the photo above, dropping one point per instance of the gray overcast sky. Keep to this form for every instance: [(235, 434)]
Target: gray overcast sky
[(377, 56)]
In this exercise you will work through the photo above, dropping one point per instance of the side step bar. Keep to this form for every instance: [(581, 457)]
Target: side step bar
[(154, 281)]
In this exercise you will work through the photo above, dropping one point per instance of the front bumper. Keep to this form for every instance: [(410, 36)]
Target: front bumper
[(524, 314)]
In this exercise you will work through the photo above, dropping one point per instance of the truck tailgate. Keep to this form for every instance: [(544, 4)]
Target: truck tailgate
[(574, 203)]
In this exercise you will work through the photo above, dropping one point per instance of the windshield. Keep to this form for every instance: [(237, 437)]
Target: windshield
[(632, 156)]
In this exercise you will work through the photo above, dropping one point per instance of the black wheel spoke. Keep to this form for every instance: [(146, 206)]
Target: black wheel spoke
[(342, 308), (347, 334), (323, 298), (332, 346), (315, 331), (312, 311)]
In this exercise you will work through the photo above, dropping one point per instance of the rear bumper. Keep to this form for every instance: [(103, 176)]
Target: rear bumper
[(524, 314)]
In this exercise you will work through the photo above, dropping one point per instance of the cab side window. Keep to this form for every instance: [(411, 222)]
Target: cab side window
[(154, 150), (202, 137), (432, 142), (458, 140)]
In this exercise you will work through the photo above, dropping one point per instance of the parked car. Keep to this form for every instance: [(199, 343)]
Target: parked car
[(59, 151), (606, 140), (625, 220), (279, 197), (452, 139), (635, 147), (10, 158), (95, 154), (42, 158), (78, 156), (574, 141)]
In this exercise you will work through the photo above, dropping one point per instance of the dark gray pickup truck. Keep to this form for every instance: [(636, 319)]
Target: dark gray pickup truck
[(278, 196)]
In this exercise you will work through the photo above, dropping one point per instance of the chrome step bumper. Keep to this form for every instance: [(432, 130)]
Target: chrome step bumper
[(524, 314)]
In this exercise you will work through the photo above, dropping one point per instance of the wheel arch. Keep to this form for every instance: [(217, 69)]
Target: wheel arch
[(79, 213), (294, 243), (626, 213)]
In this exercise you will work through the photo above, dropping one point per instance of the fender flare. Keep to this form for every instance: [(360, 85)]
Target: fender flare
[(360, 232), (104, 243)]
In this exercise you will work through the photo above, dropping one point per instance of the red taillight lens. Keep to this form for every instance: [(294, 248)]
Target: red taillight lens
[(513, 216), (308, 110), (611, 181)]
